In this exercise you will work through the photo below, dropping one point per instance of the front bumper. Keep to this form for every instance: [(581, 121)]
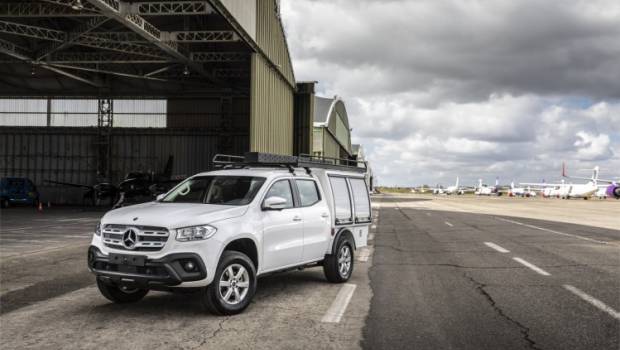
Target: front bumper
[(142, 272)]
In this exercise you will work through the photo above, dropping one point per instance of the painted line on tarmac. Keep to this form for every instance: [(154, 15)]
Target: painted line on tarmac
[(593, 301), (496, 247), (553, 231), (532, 266), (339, 305), (364, 254), (371, 236), (449, 224), (373, 226)]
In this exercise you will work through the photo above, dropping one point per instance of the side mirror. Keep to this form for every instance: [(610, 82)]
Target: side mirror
[(160, 196), (274, 203)]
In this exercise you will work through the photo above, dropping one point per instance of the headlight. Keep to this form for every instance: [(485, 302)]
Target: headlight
[(195, 233), (98, 229)]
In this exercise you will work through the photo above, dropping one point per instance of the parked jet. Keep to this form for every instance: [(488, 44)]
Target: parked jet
[(455, 189), (584, 191), (485, 190), (521, 191)]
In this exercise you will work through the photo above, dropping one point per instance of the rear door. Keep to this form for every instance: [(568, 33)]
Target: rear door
[(361, 205), (283, 230), (317, 226)]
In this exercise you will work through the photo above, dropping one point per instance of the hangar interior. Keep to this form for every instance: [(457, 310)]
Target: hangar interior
[(91, 90)]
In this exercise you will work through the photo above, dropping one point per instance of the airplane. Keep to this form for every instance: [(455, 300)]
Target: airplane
[(585, 191), (520, 191), (135, 186), (455, 189), (485, 190)]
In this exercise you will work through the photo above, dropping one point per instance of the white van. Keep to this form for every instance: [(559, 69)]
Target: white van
[(220, 230)]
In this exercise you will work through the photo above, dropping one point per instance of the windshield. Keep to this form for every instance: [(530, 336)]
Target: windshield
[(224, 190)]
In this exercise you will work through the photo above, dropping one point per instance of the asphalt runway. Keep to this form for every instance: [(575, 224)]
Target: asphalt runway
[(431, 279), (452, 280)]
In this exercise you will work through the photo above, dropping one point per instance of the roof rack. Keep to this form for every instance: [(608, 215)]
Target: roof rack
[(306, 161)]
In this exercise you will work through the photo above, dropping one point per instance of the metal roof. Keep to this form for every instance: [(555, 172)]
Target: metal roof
[(322, 109), (120, 48)]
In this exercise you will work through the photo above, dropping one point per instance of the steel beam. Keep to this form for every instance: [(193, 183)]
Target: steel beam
[(219, 56), (32, 31), (37, 9), (10, 49), (106, 71), (113, 9), (121, 47), (69, 3), (171, 8), (102, 58), (127, 37), (70, 75), (204, 36), (72, 37)]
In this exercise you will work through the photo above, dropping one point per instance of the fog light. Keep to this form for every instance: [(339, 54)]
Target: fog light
[(189, 266)]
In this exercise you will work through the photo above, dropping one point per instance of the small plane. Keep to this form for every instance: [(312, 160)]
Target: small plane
[(135, 186), (585, 191)]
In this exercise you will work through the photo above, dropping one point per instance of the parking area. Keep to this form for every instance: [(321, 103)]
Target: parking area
[(433, 278)]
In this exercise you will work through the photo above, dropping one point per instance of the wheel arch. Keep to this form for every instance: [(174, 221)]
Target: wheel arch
[(343, 232), (246, 246)]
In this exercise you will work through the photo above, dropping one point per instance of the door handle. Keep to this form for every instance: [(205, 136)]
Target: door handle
[(297, 218), (325, 215)]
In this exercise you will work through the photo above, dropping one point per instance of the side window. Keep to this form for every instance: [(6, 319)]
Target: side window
[(342, 201), (360, 200), (308, 192), (282, 189)]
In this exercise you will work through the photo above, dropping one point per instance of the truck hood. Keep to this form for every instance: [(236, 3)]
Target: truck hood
[(172, 215)]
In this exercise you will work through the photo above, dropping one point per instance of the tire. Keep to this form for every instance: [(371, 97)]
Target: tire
[(120, 295), (236, 270), (335, 266)]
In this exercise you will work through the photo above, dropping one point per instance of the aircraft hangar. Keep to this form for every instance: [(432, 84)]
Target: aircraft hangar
[(91, 90)]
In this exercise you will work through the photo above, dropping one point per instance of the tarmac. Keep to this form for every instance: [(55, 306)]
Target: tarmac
[(440, 273)]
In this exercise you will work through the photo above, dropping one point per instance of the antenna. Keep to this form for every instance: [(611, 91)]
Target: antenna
[(564, 170)]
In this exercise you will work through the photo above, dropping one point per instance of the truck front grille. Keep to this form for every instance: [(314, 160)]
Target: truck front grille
[(149, 238)]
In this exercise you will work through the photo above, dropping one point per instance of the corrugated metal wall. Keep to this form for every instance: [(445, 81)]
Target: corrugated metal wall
[(271, 110), (271, 38)]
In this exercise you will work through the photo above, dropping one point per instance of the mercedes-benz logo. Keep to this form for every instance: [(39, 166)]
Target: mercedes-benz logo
[(130, 238)]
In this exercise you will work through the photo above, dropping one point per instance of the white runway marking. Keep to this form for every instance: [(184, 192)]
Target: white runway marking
[(553, 231), (532, 266), (449, 224), (373, 226), (339, 305), (371, 236), (597, 303), (496, 247)]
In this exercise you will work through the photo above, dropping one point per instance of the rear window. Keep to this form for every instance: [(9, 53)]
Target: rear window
[(360, 200), (308, 192), (342, 201)]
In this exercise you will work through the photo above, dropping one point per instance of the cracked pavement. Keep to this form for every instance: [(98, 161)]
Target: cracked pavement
[(437, 286)]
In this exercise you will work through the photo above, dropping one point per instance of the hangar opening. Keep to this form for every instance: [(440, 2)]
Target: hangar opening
[(93, 90)]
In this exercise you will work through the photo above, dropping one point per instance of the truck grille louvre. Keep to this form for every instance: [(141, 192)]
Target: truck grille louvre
[(149, 238)]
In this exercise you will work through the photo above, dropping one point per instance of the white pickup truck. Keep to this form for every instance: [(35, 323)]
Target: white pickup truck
[(219, 230)]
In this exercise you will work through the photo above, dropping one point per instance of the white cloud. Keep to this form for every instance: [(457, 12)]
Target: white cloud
[(436, 89)]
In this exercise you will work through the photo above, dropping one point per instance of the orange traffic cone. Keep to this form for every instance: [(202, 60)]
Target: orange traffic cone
[(40, 207)]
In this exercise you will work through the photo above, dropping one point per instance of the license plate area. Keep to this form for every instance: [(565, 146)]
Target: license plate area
[(127, 260)]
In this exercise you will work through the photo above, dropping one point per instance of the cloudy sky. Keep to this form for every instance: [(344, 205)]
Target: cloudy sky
[(479, 89)]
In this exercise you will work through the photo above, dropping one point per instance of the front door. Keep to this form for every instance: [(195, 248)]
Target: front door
[(283, 234)]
